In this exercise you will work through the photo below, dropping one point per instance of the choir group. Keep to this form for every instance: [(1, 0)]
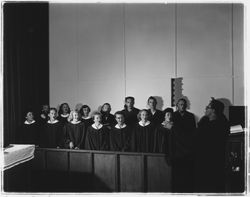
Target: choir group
[(131, 129)]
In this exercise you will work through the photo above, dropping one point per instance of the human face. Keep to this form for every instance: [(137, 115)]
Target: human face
[(29, 117), (106, 108), (151, 103), (45, 108), (85, 111), (97, 118), (75, 116), (168, 116), (129, 103), (65, 109), (119, 119), (52, 114), (181, 106), (144, 116), (208, 111)]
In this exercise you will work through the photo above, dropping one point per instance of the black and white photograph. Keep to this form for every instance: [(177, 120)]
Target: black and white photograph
[(101, 98)]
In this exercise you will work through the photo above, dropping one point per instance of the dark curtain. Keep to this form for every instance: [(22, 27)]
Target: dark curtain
[(26, 63)]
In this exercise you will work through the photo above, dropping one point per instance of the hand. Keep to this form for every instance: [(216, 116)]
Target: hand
[(71, 145)]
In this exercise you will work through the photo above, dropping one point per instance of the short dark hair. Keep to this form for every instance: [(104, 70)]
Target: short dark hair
[(168, 110), (60, 108), (119, 113), (130, 97), (153, 98), (217, 105), (53, 108), (96, 113), (83, 107), (182, 99)]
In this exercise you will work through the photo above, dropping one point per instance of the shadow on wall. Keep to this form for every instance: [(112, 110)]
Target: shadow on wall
[(160, 102)]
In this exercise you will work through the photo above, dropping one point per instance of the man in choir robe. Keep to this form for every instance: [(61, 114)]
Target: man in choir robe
[(182, 148), (130, 112), (155, 116), (212, 132)]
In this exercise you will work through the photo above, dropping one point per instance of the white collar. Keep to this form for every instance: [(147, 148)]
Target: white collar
[(65, 115), (152, 112), (55, 121), (118, 127), (26, 122), (95, 127), (146, 124), (72, 122), (86, 118)]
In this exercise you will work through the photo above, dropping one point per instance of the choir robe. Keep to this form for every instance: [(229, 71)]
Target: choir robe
[(87, 122), (143, 138), (97, 139), (63, 119), (210, 160), (162, 138), (120, 139), (108, 119), (29, 133), (157, 118), (75, 133), (131, 116), (52, 135)]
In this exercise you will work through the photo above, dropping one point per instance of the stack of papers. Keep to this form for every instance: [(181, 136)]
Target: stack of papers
[(236, 129)]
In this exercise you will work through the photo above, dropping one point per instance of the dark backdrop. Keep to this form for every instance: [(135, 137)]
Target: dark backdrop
[(26, 63)]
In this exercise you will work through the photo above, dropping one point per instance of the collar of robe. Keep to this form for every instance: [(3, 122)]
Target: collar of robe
[(73, 122), (86, 118), (55, 121), (26, 122), (97, 127), (65, 115), (146, 123), (120, 127)]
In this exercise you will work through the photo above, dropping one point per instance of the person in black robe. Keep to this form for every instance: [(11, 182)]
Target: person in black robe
[(130, 112), (52, 135), (213, 130), (43, 118), (86, 118), (63, 113), (108, 119), (29, 133), (75, 132), (182, 148), (120, 134), (163, 134), (155, 116), (97, 137), (143, 134)]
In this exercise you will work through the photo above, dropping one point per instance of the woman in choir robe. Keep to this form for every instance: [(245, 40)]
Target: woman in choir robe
[(108, 119), (75, 132), (97, 134), (163, 133), (63, 113), (130, 112), (143, 134), (120, 134), (52, 135), (155, 116), (86, 118), (44, 115), (30, 130)]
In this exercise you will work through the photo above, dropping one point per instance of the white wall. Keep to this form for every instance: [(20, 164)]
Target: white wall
[(104, 52)]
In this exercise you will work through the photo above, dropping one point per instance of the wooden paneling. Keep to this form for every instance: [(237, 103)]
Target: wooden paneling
[(80, 162), (158, 174), (39, 162), (57, 160), (105, 172), (131, 175)]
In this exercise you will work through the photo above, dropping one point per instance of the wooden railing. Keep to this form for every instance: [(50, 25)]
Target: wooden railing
[(95, 171)]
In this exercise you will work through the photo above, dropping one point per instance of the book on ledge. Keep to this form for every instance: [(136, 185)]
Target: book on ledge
[(236, 129)]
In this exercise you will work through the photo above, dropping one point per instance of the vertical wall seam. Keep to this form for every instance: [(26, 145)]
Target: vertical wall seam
[(232, 51), (175, 18), (124, 50)]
